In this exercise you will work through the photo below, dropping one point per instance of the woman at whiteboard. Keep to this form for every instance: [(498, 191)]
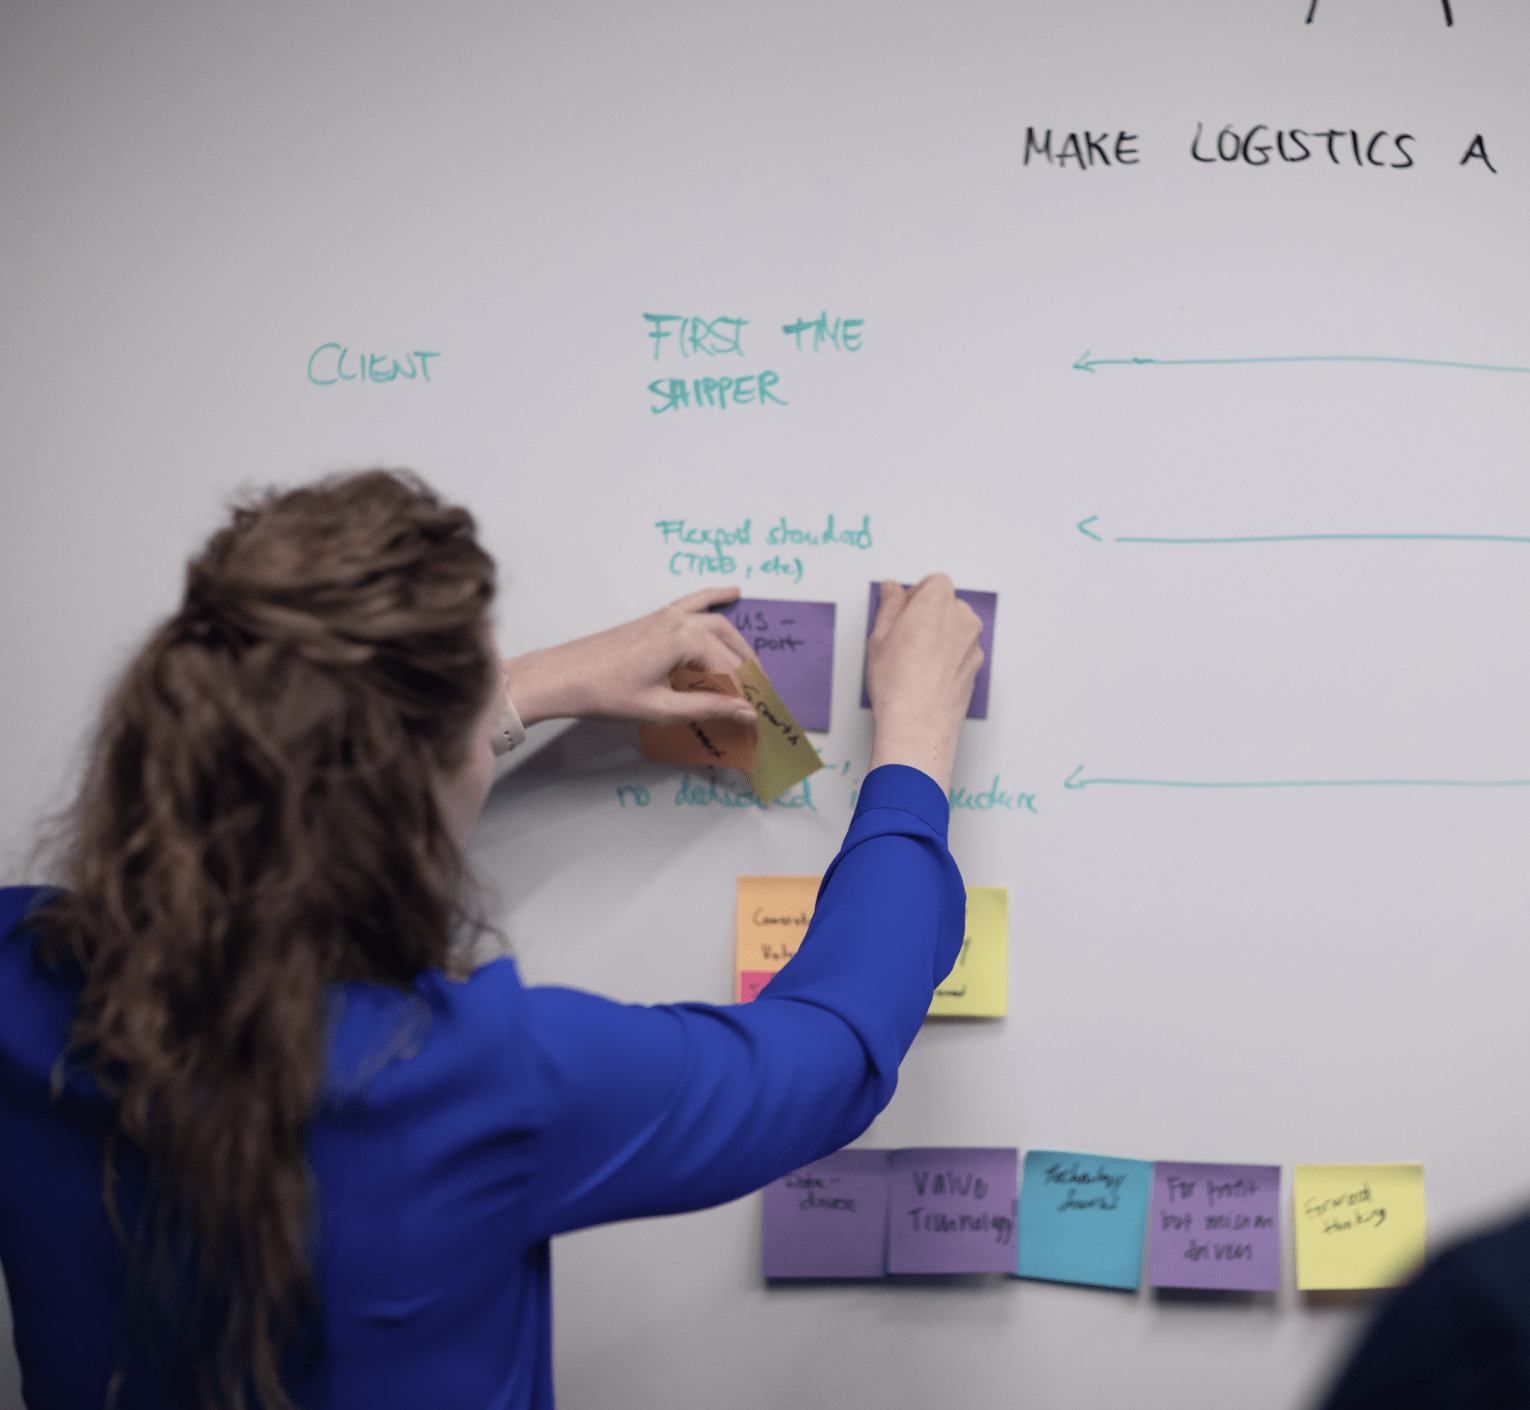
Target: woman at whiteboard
[(265, 1145)]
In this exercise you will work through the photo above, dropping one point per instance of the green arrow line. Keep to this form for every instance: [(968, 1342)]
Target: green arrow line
[(1073, 781), (1088, 364), (1083, 527)]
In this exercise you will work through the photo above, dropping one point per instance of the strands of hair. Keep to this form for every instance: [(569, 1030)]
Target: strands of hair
[(259, 819)]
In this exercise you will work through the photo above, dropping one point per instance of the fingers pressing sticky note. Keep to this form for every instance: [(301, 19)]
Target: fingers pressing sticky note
[(773, 754), (773, 916), (1357, 1226)]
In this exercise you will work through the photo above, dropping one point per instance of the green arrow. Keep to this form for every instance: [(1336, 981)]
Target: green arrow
[(1073, 781), (1083, 527), (1085, 363)]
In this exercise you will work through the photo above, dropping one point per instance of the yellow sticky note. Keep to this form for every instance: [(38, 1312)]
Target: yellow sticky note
[(1357, 1226), (783, 756), (978, 985), (772, 754), (773, 916)]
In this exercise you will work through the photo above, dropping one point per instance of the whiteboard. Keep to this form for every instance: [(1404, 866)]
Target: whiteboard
[(201, 199)]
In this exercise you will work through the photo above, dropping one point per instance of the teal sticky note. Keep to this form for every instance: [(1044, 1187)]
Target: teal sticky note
[(1082, 1218)]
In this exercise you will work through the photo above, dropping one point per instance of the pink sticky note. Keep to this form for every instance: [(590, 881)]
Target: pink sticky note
[(751, 981)]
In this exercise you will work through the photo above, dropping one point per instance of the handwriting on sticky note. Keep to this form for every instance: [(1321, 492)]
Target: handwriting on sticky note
[(795, 644), (952, 1210), (828, 1219), (1357, 1226), (773, 914), (773, 754), (783, 756), (978, 985), (1082, 1218), (1215, 1226), (772, 917), (720, 742)]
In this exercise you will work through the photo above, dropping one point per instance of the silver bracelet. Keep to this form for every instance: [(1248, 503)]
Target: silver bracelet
[(509, 732)]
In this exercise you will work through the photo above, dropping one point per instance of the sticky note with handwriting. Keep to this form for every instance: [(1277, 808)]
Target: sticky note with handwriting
[(1082, 1218), (1215, 1226), (978, 985), (773, 915), (986, 605), (783, 756), (951, 1210), (773, 754), (719, 742), (1357, 1226), (795, 644), (828, 1219)]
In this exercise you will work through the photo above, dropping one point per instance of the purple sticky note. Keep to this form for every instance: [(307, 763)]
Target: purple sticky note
[(1215, 1226), (985, 604), (795, 644), (829, 1219), (952, 1210)]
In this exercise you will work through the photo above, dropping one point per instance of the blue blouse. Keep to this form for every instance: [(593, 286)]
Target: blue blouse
[(462, 1125)]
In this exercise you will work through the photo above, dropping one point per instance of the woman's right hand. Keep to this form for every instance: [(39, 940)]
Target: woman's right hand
[(921, 661)]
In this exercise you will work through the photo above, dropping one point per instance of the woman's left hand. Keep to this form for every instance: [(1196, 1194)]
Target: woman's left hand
[(623, 673)]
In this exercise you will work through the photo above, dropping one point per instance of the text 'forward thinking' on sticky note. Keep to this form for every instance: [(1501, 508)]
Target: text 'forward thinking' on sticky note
[(1082, 1217), (862, 1213), (795, 644), (985, 604), (1214, 1226), (1357, 1226), (773, 915), (773, 754)]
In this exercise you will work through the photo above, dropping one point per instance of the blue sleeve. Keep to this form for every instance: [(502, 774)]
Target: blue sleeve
[(657, 1110)]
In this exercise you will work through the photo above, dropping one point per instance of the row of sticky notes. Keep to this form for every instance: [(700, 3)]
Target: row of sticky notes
[(773, 916), (1081, 1219)]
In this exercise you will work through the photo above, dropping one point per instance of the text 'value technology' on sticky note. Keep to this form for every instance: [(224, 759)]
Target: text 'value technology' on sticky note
[(795, 644), (1357, 1226), (1215, 1226), (1082, 1217), (985, 604), (773, 753), (829, 1219), (951, 1210), (773, 915)]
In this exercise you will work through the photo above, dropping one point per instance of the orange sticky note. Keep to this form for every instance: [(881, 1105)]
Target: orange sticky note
[(773, 753), (720, 742), (773, 916)]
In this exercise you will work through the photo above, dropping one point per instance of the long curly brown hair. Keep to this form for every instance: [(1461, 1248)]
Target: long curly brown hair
[(260, 820)]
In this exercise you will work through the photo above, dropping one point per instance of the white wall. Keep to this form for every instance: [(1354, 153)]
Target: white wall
[(199, 196)]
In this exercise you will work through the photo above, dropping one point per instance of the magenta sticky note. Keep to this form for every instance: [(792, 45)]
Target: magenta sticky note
[(952, 1210), (985, 604), (829, 1219), (1215, 1226), (795, 644)]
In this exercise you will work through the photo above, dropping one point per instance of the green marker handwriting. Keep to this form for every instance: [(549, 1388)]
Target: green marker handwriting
[(327, 366)]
